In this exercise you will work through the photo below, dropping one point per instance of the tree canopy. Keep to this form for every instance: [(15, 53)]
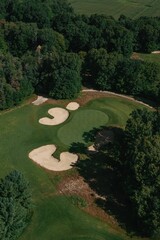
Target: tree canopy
[(142, 168), (15, 205)]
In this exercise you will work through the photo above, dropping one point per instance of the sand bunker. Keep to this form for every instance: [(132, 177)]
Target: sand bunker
[(59, 115), (73, 106), (91, 148), (39, 100), (43, 157), (156, 52)]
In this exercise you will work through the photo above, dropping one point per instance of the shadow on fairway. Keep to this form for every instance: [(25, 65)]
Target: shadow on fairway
[(103, 172), (78, 147)]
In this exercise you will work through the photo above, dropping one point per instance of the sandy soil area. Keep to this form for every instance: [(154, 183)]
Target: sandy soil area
[(43, 157), (73, 106), (39, 100), (156, 52), (91, 148), (59, 115)]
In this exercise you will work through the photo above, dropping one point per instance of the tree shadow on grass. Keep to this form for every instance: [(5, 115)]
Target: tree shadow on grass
[(78, 147), (104, 172), (91, 135)]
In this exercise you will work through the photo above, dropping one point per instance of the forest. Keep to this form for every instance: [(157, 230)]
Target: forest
[(45, 48)]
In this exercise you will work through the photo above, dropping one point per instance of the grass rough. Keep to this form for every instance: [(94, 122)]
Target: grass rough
[(55, 217), (115, 8)]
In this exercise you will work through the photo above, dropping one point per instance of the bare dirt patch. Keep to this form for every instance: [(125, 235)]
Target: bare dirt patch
[(76, 185)]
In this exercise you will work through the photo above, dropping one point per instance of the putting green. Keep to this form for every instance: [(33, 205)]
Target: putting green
[(55, 217), (82, 121)]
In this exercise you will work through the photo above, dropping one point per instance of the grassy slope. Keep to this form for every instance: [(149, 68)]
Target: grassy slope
[(115, 8), (55, 217), (150, 57)]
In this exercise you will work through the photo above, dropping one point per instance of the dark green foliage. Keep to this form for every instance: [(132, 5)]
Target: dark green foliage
[(82, 32), (147, 34), (50, 40), (15, 205), (36, 11), (30, 65), (112, 71), (3, 44), (114, 37), (142, 164), (20, 37), (67, 84), (102, 66), (128, 76), (60, 75), (151, 80), (14, 84), (107, 44), (137, 78)]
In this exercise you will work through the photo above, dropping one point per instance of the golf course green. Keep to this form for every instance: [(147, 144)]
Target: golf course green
[(55, 217), (82, 121)]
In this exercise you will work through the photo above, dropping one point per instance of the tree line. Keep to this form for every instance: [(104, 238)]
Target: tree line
[(47, 48), (37, 60), (128, 173), (141, 165), (83, 33)]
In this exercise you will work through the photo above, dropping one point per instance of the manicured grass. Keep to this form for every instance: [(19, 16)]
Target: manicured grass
[(115, 8), (82, 121), (150, 57), (54, 216), (57, 219)]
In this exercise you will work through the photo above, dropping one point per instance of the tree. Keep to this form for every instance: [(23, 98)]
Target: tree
[(119, 39), (129, 76), (142, 170), (151, 80), (15, 205), (14, 83), (50, 40), (60, 75), (21, 37), (147, 33), (3, 43), (101, 66)]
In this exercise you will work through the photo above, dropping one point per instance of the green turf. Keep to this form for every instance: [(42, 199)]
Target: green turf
[(130, 8), (82, 121), (54, 216), (150, 57)]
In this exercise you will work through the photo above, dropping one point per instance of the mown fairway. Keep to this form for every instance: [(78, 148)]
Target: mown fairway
[(54, 216), (115, 8), (150, 57)]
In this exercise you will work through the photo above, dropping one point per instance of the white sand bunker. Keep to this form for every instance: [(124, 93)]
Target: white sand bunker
[(39, 100), (156, 52), (59, 115), (91, 148), (73, 106), (43, 157)]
